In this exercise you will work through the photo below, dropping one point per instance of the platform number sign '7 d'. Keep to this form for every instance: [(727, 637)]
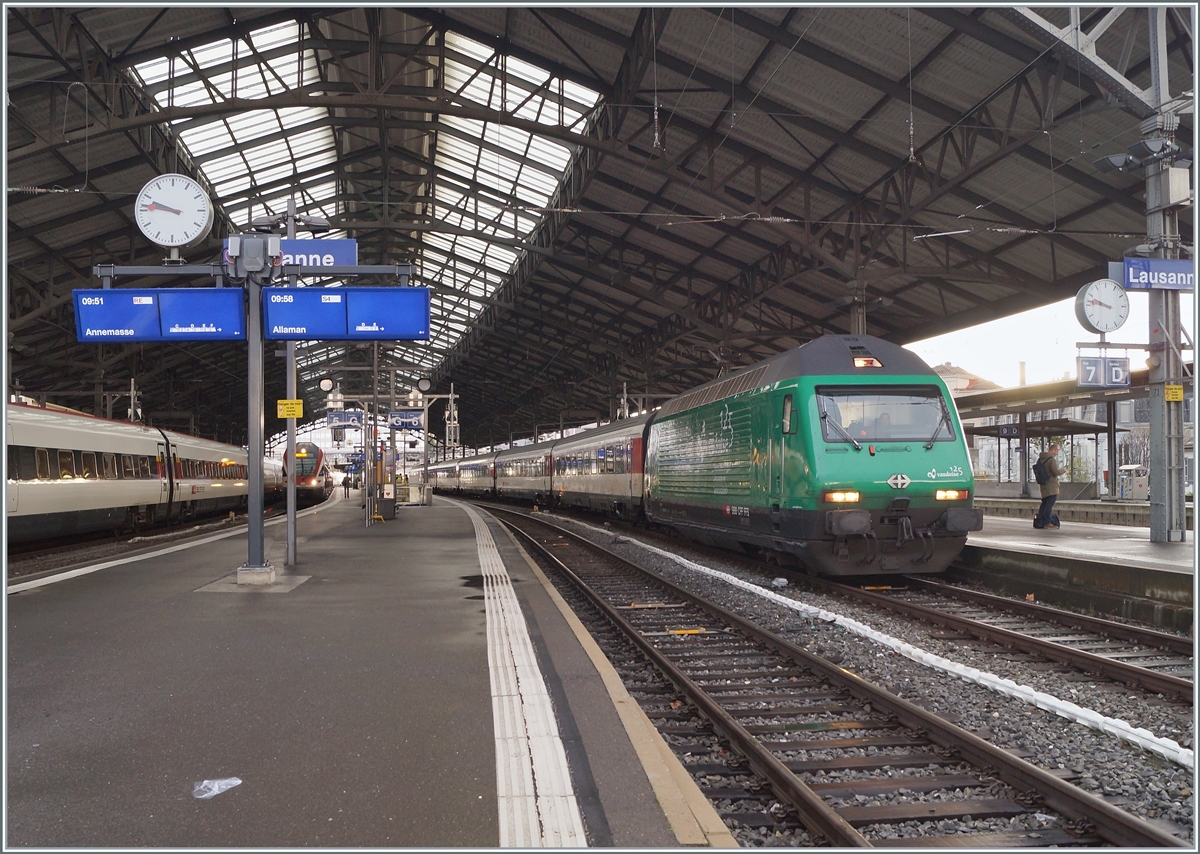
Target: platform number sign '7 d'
[(1103, 372)]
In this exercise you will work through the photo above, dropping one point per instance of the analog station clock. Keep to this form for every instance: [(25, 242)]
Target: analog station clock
[(1102, 306), (173, 211)]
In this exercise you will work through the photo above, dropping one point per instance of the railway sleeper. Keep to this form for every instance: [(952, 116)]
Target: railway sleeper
[(870, 763), (937, 782), (932, 811), (1044, 838)]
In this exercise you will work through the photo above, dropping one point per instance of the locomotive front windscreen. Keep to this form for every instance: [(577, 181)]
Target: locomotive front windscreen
[(306, 463), (884, 414)]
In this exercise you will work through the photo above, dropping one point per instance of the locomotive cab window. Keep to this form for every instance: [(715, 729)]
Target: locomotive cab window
[(858, 414), (789, 415)]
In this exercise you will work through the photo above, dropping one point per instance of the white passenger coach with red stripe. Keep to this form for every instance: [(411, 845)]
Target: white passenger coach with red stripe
[(600, 469)]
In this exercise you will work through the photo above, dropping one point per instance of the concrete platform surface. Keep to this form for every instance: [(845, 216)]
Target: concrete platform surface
[(354, 700), (1117, 545)]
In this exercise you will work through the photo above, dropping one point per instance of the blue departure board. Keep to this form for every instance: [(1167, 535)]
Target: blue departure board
[(304, 314), (387, 314), (160, 314), (202, 314)]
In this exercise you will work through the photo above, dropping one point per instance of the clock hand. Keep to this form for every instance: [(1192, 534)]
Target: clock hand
[(159, 206), (1101, 304)]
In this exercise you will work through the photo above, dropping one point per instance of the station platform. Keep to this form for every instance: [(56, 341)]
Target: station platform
[(1109, 569), (409, 684), (1135, 514)]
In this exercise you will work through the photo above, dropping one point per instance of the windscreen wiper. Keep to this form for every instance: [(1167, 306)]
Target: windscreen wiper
[(845, 433), (943, 419)]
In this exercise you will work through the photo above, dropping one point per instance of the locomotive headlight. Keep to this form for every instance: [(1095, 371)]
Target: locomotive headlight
[(848, 496), (951, 494)]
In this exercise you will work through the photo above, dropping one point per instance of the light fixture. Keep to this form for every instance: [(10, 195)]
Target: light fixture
[(1150, 147), (1115, 163), (326, 385), (424, 384)]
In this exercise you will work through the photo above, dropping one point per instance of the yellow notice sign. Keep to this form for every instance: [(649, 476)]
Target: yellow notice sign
[(289, 408), (1173, 393)]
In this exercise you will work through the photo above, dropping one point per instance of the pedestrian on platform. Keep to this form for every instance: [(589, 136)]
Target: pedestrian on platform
[(346, 486), (1047, 459)]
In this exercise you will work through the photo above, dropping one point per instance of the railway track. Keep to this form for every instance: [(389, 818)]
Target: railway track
[(854, 764), (1154, 661)]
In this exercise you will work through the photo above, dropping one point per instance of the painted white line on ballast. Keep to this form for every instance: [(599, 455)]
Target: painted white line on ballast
[(1166, 747)]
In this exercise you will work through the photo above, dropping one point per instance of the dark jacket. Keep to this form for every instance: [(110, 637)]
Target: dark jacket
[(1050, 487)]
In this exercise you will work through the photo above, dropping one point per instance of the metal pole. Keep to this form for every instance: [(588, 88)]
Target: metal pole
[(256, 570), (1023, 455), (291, 422), (1111, 407), (373, 486), (392, 433), (1167, 519), (424, 446)]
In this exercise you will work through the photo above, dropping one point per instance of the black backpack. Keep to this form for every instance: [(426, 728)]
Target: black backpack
[(1039, 472)]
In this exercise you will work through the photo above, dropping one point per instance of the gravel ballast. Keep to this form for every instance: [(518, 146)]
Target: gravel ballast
[(1140, 782)]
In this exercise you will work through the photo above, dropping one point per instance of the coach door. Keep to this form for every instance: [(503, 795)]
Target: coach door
[(14, 470), (164, 475)]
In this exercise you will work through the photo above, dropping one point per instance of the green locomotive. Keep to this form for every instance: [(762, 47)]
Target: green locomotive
[(845, 455)]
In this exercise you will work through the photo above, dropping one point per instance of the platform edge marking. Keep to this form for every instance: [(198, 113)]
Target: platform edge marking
[(537, 805), (692, 818)]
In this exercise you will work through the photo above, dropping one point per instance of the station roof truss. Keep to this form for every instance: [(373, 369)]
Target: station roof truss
[(598, 197)]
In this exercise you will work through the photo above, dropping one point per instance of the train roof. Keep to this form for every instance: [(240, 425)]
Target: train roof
[(75, 419), (829, 355)]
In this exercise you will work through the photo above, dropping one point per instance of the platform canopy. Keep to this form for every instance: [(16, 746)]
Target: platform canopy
[(1047, 429), (599, 196)]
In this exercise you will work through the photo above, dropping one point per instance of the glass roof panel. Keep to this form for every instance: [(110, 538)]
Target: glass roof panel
[(489, 177)]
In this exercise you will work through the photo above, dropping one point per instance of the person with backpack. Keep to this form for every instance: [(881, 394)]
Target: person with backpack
[(1046, 472)]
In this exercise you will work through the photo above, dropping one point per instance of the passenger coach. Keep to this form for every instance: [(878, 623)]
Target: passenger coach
[(71, 473)]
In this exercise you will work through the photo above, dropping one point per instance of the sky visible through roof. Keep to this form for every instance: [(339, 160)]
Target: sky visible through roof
[(490, 177)]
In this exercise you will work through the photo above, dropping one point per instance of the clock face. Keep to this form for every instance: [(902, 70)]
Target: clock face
[(173, 211), (1102, 306)]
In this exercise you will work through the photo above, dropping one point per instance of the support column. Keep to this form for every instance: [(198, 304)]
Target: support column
[(1167, 519), (291, 422), (1111, 407), (256, 570)]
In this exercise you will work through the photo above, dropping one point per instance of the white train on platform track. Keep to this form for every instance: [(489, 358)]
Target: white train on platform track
[(71, 473)]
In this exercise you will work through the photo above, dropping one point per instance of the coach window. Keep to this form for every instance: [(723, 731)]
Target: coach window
[(128, 470), (89, 466), (144, 467), (109, 461), (66, 465), (26, 464), (43, 464)]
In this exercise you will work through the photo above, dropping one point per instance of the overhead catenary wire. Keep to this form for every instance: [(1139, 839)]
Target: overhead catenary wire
[(700, 169)]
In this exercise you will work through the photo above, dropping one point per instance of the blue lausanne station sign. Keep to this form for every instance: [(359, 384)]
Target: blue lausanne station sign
[(1147, 273), (365, 314), (314, 253), (160, 314)]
